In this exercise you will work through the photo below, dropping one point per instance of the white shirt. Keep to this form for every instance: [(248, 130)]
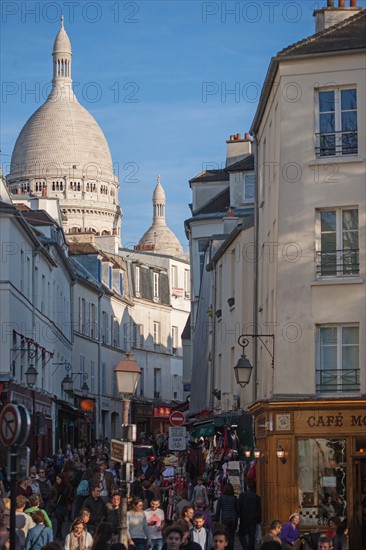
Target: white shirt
[(159, 517)]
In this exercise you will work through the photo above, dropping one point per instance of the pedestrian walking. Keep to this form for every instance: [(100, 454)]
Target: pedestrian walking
[(227, 512), (249, 516)]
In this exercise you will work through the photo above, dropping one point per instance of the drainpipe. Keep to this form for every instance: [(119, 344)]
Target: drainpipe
[(214, 324), (255, 282), (99, 371)]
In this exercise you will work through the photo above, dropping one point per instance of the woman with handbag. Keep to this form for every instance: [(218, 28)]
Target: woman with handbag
[(59, 499), (39, 535)]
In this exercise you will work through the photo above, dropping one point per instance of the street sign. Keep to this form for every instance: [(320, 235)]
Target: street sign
[(177, 439), (177, 418), (121, 451), (10, 425)]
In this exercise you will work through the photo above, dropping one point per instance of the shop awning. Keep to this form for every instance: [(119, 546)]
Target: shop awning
[(242, 420), (206, 429)]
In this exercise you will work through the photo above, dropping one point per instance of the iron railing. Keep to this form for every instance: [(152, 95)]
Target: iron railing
[(336, 380), (338, 263), (335, 144)]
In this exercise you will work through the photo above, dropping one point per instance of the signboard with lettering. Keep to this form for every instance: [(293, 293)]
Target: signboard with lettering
[(322, 420), (177, 439)]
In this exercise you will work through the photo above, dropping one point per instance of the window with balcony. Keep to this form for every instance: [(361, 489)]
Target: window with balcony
[(339, 247), (338, 359), (337, 123)]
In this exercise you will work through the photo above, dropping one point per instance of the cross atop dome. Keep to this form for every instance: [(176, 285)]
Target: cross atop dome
[(62, 21)]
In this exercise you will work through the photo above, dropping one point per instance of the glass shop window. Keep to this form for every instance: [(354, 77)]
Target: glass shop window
[(322, 480)]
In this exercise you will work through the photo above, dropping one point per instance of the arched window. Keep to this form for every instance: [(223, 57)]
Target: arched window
[(87, 186), (57, 186), (78, 185), (53, 186), (58, 68), (61, 186)]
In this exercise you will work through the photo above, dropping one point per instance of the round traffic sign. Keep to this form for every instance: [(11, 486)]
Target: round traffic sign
[(10, 423), (177, 418)]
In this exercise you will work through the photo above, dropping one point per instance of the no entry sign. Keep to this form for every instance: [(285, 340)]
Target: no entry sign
[(177, 418)]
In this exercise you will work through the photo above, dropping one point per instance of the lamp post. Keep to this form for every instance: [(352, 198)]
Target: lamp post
[(128, 374), (31, 377)]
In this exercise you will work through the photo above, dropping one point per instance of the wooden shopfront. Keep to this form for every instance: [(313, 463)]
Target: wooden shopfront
[(323, 472)]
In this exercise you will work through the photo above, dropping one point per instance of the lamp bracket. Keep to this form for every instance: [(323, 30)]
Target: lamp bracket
[(243, 341)]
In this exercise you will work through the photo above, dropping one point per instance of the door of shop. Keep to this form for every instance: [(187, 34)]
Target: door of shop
[(358, 529)]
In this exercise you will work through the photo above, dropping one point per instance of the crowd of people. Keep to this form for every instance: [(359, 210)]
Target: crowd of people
[(72, 501)]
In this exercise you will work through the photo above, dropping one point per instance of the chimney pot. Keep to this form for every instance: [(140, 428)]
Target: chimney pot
[(238, 136), (330, 3), (18, 191), (353, 3), (247, 136), (342, 3)]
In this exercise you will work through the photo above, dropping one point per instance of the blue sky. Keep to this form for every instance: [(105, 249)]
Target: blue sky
[(157, 76)]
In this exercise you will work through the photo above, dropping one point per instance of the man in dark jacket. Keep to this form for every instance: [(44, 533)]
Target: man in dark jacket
[(96, 505), (249, 516)]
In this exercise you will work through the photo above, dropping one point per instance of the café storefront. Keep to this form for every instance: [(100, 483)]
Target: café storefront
[(323, 471)]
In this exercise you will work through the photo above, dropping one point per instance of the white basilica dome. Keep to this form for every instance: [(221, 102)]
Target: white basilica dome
[(61, 153)]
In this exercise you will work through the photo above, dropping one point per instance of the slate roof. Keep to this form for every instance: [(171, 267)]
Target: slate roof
[(210, 176), (220, 203), (347, 35), (36, 217), (245, 164)]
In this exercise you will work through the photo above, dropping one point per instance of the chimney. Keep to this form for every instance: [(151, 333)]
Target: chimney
[(238, 148), (44, 192), (331, 15)]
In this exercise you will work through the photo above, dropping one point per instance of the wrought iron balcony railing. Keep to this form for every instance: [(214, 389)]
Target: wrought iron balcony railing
[(336, 380), (334, 144), (338, 263)]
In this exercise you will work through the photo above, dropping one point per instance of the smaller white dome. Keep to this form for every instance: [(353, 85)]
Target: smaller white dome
[(62, 42), (159, 234)]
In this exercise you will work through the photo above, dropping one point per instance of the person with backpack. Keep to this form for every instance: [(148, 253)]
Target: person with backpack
[(227, 512)]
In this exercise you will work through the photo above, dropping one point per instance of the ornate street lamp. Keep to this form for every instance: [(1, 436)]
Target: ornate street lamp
[(31, 376), (128, 374)]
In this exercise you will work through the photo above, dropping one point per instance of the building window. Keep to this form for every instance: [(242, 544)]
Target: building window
[(105, 335), (322, 480), (155, 286), (157, 383), (116, 338), (140, 391), (174, 340), (339, 254), (156, 335), (187, 284), (92, 321), (202, 246), (338, 359), (92, 376), (174, 276), (175, 386), (248, 191), (137, 280), (103, 379), (337, 123), (82, 369)]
